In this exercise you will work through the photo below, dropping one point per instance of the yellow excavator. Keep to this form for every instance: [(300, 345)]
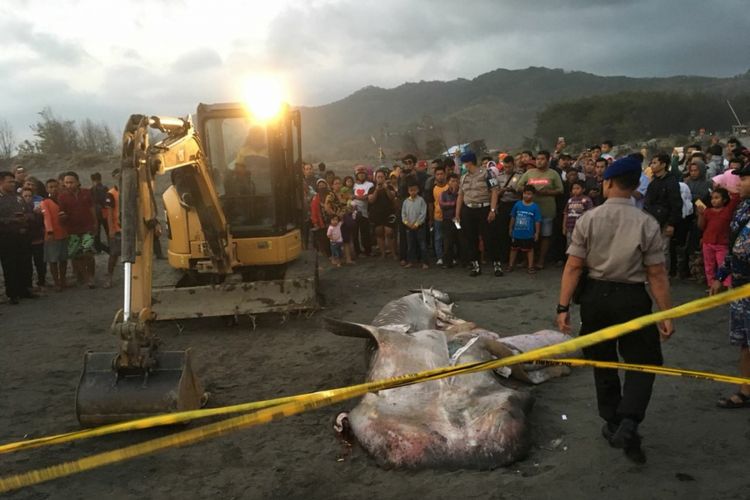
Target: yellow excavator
[(234, 209)]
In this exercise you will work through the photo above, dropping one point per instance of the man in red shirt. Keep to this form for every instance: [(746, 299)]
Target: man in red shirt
[(80, 222)]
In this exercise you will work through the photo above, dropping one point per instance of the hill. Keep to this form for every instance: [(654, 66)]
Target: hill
[(500, 106)]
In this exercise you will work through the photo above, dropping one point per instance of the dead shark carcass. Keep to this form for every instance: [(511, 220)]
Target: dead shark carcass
[(467, 421)]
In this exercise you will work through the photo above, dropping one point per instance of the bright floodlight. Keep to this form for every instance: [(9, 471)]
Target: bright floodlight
[(264, 96)]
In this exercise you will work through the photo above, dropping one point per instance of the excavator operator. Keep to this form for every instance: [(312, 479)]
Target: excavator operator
[(240, 190)]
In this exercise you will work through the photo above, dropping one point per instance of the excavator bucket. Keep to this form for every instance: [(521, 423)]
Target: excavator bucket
[(104, 397)]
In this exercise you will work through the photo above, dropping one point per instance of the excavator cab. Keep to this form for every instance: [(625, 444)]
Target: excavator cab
[(255, 166), (249, 169), (258, 168)]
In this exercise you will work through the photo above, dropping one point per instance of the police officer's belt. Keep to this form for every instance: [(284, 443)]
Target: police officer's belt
[(614, 285), (477, 205)]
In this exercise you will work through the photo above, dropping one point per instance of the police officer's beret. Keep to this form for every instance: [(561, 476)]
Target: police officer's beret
[(469, 157), (626, 165), (743, 170)]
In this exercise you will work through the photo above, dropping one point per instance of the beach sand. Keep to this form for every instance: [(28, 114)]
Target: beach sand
[(693, 448)]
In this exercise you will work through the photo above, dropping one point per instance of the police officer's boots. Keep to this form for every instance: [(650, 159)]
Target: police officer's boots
[(475, 269)]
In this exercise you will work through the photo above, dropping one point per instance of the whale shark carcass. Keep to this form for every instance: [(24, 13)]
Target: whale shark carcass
[(469, 421)]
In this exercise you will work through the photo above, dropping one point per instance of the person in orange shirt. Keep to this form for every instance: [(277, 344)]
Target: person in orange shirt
[(112, 210), (55, 236)]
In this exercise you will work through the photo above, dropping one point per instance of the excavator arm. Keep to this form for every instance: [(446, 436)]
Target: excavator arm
[(106, 392), (180, 154)]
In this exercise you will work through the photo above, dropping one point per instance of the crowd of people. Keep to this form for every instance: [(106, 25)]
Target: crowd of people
[(521, 209), (45, 225), (506, 211)]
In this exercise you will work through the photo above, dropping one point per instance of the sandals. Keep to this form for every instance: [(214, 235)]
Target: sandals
[(730, 403), (531, 270)]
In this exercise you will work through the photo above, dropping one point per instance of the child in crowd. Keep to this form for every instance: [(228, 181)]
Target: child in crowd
[(577, 204), (336, 239), (525, 226), (714, 222), (413, 215)]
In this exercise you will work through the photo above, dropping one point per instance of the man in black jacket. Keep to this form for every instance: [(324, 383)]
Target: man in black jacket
[(663, 199)]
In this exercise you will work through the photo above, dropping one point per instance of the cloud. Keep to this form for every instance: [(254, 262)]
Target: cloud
[(353, 44), (328, 49), (199, 59), (49, 48)]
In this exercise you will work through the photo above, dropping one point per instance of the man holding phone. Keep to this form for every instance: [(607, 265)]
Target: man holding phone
[(15, 250)]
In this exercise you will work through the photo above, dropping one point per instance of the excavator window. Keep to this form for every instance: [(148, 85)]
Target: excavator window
[(243, 172)]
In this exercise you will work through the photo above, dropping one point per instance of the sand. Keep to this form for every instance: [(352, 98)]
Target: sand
[(694, 449)]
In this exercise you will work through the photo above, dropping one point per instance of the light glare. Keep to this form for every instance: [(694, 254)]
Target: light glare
[(264, 96)]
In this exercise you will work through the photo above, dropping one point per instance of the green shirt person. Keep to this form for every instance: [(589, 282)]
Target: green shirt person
[(548, 184)]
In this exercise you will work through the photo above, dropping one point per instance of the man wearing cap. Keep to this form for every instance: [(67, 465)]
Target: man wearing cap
[(476, 209), (737, 265), (621, 248)]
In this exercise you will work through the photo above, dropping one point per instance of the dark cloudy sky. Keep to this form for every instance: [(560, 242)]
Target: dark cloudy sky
[(106, 59)]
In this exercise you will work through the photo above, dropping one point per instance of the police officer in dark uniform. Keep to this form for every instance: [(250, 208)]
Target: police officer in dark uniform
[(476, 209), (620, 246), (15, 244)]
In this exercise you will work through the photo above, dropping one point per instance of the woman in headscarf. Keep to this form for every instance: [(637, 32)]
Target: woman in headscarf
[(318, 218), (337, 202), (700, 189)]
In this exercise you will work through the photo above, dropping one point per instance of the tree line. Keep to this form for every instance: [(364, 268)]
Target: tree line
[(638, 116), (59, 136)]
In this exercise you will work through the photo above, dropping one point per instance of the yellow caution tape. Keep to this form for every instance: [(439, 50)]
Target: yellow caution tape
[(142, 423), (302, 403), (324, 398), (149, 422), (657, 370)]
